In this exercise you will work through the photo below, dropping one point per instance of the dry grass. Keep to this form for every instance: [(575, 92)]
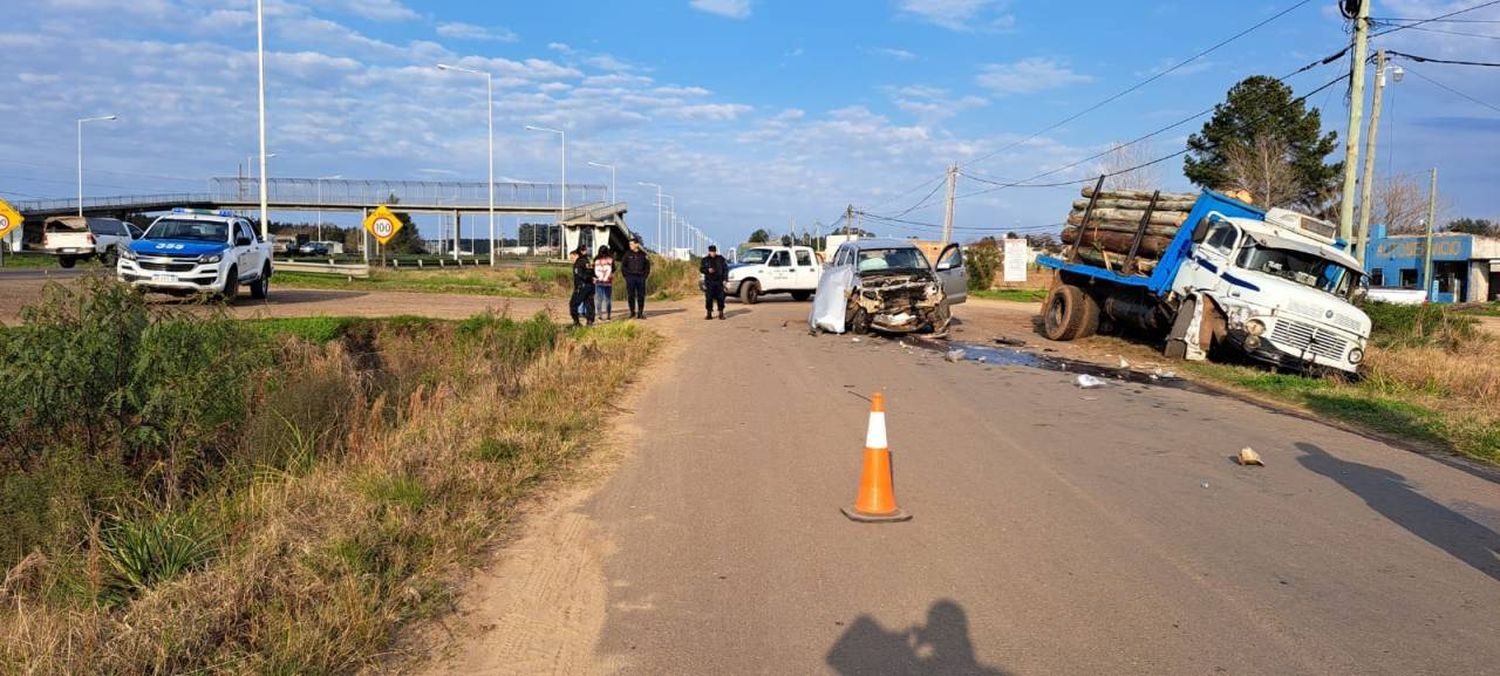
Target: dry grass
[(319, 562)]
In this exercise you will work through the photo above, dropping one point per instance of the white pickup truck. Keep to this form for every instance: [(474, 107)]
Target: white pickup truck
[(74, 238), (774, 269), (198, 251)]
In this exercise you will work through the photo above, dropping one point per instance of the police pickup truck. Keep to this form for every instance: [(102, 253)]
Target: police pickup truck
[(774, 269), (192, 251)]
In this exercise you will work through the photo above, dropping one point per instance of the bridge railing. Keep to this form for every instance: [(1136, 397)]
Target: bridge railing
[(120, 202), (432, 194)]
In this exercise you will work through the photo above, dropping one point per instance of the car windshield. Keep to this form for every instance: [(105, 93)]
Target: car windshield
[(1303, 268), (755, 256), (904, 258), (198, 231)]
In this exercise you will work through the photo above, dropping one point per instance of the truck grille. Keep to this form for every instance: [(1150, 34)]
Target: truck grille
[(165, 266), (1299, 337)]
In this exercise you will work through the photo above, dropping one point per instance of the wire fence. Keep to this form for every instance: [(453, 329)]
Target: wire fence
[(427, 194)]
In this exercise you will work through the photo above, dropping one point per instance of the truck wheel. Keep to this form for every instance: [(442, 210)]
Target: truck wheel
[(801, 296), (231, 286), (260, 289), (1069, 314), (859, 322), (750, 292), (67, 262)]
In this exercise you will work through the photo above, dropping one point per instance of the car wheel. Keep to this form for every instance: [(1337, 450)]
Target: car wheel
[(67, 262), (231, 286), (859, 322), (1069, 314), (750, 292), (942, 318), (260, 289), (801, 296)]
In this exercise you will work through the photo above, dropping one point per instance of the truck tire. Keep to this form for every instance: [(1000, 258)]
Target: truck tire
[(750, 292), (231, 286), (67, 261), (801, 296), (260, 289), (1069, 314)]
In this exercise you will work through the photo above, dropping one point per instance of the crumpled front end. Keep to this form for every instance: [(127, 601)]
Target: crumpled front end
[(899, 302)]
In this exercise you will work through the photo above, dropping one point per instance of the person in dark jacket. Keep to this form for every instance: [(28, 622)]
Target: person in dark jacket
[(715, 271), (636, 266), (582, 301)]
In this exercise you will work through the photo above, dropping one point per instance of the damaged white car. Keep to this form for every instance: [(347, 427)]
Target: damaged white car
[(888, 285)]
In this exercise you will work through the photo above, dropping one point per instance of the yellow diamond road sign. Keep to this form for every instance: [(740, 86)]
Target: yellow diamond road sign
[(10, 219), (382, 224)]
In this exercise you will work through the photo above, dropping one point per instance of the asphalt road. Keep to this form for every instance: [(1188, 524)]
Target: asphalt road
[(1056, 530)]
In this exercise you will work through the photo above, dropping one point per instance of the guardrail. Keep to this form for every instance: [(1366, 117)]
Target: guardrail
[(350, 270)]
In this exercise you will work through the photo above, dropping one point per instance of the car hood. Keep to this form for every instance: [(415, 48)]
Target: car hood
[(177, 247), (1288, 296)]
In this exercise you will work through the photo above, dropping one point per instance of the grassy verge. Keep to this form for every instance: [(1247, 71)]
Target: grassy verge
[(192, 493), (34, 260), (1430, 377), (670, 280), (1013, 295)]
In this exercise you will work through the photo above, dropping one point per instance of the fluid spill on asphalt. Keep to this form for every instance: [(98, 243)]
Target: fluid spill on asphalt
[(1010, 356)]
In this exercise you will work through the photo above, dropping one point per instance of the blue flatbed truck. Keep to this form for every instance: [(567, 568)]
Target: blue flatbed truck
[(1273, 285)]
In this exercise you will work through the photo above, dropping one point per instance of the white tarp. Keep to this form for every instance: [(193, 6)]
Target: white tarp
[(832, 299), (1015, 260)]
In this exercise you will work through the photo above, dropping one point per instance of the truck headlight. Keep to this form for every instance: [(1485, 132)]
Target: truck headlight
[(1356, 356), (1255, 327), (126, 253), (210, 258)]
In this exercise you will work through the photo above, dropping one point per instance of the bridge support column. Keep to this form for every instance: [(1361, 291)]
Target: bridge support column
[(458, 229)]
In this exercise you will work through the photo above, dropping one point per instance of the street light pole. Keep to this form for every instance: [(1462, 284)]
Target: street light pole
[(260, 57), (563, 198), (658, 210), (489, 95), (671, 222), (81, 121), (611, 169)]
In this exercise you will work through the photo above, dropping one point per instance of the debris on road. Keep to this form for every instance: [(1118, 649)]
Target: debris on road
[(854, 340), (1124, 363), (954, 356), (1248, 456), (1010, 342), (1088, 382)]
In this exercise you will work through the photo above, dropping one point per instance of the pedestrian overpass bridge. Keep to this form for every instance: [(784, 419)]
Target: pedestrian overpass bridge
[(590, 217)]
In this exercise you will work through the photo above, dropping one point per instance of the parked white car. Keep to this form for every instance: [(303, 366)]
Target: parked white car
[(199, 251), (774, 269), (74, 238)]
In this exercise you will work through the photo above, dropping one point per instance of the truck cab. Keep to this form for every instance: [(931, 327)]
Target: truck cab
[(774, 269), (1280, 286), (198, 251)]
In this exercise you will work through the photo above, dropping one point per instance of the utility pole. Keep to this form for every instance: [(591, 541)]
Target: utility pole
[(1427, 249), (948, 210), (1367, 184), (1356, 114), (848, 221)]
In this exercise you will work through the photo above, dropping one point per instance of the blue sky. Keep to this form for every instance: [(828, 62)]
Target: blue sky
[(753, 113)]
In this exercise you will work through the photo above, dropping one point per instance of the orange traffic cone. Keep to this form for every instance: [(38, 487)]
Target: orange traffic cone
[(877, 498)]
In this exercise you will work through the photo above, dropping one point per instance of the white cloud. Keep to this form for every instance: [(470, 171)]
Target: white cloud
[(467, 31), (734, 9), (897, 54), (1028, 76), (378, 10), (716, 112), (960, 15), (932, 105)]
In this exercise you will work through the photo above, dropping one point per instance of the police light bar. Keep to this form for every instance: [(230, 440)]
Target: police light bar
[(203, 212)]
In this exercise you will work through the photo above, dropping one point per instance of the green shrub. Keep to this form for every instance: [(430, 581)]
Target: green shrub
[(1396, 326), (983, 260), (145, 550)]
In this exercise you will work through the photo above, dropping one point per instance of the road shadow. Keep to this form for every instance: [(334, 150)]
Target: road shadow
[(663, 313), (940, 647), (1389, 494)]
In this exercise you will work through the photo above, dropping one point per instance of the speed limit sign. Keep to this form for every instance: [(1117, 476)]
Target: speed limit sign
[(10, 219), (382, 224)]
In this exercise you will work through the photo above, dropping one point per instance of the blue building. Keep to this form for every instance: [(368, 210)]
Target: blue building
[(1465, 268)]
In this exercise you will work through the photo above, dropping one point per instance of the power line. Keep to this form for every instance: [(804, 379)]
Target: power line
[(1453, 91), (1149, 80), (1387, 19), (1437, 19), (1451, 62), (1458, 33)]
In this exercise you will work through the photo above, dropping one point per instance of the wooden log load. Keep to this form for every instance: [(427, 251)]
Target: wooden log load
[(1116, 242), (1116, 217)]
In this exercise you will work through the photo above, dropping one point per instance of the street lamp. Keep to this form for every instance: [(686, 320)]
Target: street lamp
[(320, 202), (81, 121), (489, 89), (611, 169), (260, 60), (562, 210), (658, 210), (671, 221)]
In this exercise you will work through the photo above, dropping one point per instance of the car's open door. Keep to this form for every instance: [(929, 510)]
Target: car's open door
[(953, 275)]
